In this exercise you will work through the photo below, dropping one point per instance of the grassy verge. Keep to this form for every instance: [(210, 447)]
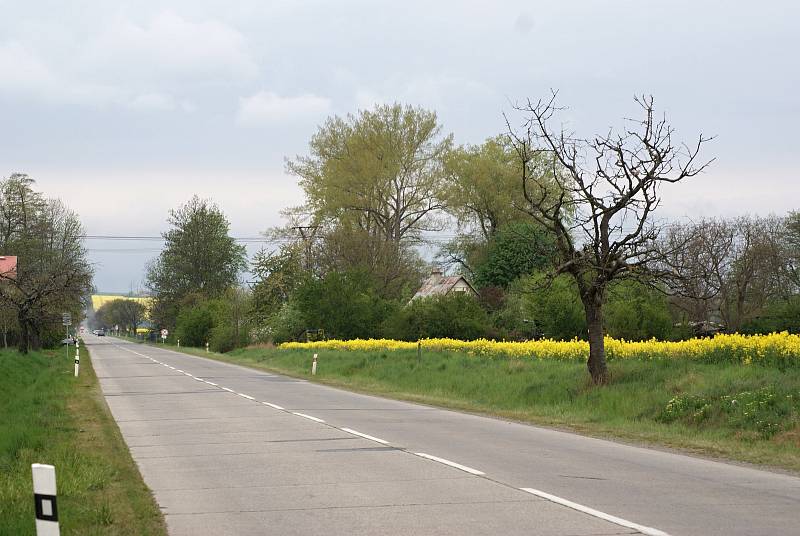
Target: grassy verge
[(728, 411), (49, 416)]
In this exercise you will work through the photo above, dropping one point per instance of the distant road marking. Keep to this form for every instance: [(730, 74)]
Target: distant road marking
[(464, 468), (170, 366), (275, 406), (211, 383), (178, 370), (248, 397), (226, 389), (649, 531), (199, 379), (365, 436), (307, 416)]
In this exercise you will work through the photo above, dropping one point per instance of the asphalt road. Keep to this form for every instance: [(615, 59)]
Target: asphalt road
[(231, 450)]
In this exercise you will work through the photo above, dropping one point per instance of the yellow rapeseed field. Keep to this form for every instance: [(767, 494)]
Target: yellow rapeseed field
[(98, 300), (781, 349)]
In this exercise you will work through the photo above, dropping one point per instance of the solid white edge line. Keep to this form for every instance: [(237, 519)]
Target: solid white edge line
[(464, 468), (248, 397), (274, 406), (199, 379), (226, 389), (365, 436), (649, 531), (307, 416), (211, 383), (178, 370)]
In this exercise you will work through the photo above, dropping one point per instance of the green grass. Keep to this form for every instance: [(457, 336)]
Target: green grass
[(728, 411), (49, 416)]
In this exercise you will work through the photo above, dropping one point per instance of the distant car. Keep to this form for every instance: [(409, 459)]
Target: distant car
[(99, 332)]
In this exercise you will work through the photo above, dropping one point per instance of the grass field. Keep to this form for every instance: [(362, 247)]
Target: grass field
[(732, 411), (49, 416)]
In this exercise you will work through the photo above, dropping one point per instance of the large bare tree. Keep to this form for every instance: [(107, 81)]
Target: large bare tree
[(602, 217)]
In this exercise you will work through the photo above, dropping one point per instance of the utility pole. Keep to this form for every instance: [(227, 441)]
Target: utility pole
[(307, 233)]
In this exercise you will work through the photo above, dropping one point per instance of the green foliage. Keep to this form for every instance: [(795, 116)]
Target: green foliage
[(286, 324), (483, 185), (344, 304), (455, 315), (382, 167), (552, 309), (636, 312), (779, 315), (516, 250), (198, 256), (128, 314), (277, 274), (194, 324), (231, 324)]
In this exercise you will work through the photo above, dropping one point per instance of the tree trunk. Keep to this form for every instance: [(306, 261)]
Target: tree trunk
[(597, 348), (23, 336)]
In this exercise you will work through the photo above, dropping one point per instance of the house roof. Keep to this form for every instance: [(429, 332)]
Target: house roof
[(438, 285), (8, 266)]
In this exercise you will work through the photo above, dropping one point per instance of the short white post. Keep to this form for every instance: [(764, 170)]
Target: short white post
[(77, 357), (44, 499), (207, 347), (314, 366), (179, 343)]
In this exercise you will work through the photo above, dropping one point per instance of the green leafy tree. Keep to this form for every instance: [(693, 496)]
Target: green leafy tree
[(483, 185), (637, 312), (373, 183), (53, 274), (539, 310), (344, 304), (199, 256), (128, 314), (231, 320), (515, 250), (381, 170)]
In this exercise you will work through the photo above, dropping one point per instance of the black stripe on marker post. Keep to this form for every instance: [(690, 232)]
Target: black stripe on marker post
[(45, 503)]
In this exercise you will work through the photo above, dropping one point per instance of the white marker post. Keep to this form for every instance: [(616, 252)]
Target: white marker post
[(179, 343), (314, 366), (77, 357), (207, 350), (44, 499)]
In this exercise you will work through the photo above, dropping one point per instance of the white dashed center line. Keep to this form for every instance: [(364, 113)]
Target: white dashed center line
[(275, 406), (365, 436), (464, 468), (649, 531), (307, 416), (248, 397)]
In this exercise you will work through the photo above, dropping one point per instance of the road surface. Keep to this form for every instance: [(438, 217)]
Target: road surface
[(231, 450)]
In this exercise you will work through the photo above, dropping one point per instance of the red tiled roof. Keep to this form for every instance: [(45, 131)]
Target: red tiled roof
[(8, 266)]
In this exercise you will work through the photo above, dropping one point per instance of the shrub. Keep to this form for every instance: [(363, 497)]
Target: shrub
[(194, 324), (455, 315)]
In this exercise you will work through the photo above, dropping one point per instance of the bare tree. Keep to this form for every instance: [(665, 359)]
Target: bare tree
[(602, 219)]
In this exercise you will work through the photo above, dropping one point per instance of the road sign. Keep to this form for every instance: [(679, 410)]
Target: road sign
[(66, 319), (164, 333)]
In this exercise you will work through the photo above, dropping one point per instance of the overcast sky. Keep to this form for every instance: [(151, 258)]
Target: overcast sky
[(126, 109)]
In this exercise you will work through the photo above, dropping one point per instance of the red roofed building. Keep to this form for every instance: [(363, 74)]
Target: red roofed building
[(8, 267)]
